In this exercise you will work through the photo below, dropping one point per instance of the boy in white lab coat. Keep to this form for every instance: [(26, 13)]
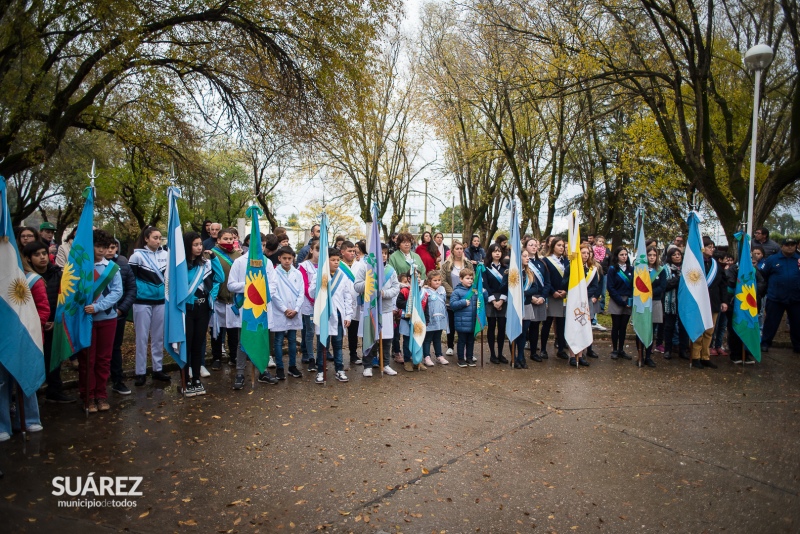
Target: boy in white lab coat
[(285, 319)]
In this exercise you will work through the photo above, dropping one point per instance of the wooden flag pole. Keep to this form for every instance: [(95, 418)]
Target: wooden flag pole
[(253, 374), (380, 351), (481, 349), (21, 411), (324, 365), (184, 371), (511, 363)]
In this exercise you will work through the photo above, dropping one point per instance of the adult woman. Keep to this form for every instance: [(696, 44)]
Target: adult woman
[(63, 250), (402, 258), (592, 273), (444, 251), (672, 277), (558, 267), (497, 288), (620, 289), (149, 264), (475, 253), (26, 235), (428, 253), (538, 310), (502, 242), (205, 276), (450, 279)]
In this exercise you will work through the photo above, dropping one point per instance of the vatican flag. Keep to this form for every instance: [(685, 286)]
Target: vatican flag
[(577, 317)]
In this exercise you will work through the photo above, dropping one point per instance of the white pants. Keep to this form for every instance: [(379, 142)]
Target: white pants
[(148, 321)]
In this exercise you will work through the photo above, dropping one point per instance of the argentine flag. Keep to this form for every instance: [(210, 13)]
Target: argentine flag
[(176, 284), (322, 302), (515, 309), (577, 317), (694, 306), (417, 326), (21, 345)]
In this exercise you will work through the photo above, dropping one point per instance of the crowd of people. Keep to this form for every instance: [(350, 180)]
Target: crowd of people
[(133, 290)]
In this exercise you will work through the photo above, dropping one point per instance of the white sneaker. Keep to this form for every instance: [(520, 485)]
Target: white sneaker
[(387, 370), (272, 364), (341, 377), (35, 428), (358, 362), (320, 379), (442, 360), (599, 327), (428, 362), (190, 372), (204, 372), (449, 352), (5, 436), (368, 371)]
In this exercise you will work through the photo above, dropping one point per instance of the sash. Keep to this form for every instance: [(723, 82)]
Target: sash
[(347, 272), (32, 278), (152, 265), (495, 273), (590, 275), (555, 262), (221, 254), (537, 273), (337, 279), (388, 271), (283, 277), (198, 278), (528, 282), (101, 281), (623, 275), (654, 273), (712, 273)]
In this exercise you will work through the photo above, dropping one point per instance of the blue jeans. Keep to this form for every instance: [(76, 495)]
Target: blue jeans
[(406, 348), (336, 341), (307, 339), (292, 336), (30, 403), (434, 336), (466, 342)]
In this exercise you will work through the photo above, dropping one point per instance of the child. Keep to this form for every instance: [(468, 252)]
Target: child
[(341, 304), (95, 361), (122, 307), (620, 290), (531, 295), (284, 312), (308, 271), (225, 315), (149, 263), (349, 268), (403, 313), (435, 300), (496, 284), (463, 302)]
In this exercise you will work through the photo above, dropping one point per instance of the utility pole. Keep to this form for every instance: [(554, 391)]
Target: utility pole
[(425, 216)]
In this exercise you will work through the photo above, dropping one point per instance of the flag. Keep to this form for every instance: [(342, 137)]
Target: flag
[(642, 286), (480, 308), (322, 302), (577, 317), (694, 306), (254, 337), (745, 305), (176, 284), (21, 350), (417, 325), (516, 309), (73, 327), (373, 284)]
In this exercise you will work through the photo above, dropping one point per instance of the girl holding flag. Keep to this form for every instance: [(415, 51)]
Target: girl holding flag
[(536, 309), (620, 289), (205, 277), (531, 294), (558, 267), (495, 282), (593, 286), (658, 280)]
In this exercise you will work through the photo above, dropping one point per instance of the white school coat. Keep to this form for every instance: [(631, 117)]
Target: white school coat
[(308, 307), (359, 267), (236, 282), (286, 290), (341, 301)]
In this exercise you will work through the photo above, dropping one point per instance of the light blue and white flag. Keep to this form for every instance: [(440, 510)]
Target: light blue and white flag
[(694, 306), (322, 300), (417, 327), (515, 310), (176, 284), (21, 343)]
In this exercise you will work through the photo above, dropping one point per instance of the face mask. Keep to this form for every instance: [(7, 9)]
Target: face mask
[(227, 247)]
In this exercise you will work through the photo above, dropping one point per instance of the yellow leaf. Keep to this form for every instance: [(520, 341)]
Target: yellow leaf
[(216, 417), (425, 471), (238, 520), (188, 523), (11, 497), (145, 514), (342, 512)]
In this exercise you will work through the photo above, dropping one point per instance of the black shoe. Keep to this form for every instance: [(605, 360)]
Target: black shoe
[(312, 368), (199, 389), (494, 360), (140, 380), (573, 362), (667, 355), (266, 378), (697, 364), (61, 397), (623, 354), (295, 372), (583, 362), (544, 355), (462, 363), (238, 382), (649, 362), (563, 355), (535, 357), (592, 354), (518, 366), (709, 364), (121, 388), (280, 374), (231, 362), (684, 355), (614, 355), (472, 362), (216, 365), (161, 375), (330, 358), (503, 359), (764, 348)]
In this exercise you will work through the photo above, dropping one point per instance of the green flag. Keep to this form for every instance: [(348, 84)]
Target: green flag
[(255, 327)]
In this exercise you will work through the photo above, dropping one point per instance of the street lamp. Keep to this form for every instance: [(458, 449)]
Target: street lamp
[(756, 59)]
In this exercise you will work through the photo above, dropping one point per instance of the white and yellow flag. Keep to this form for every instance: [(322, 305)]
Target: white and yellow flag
[(577, 317)]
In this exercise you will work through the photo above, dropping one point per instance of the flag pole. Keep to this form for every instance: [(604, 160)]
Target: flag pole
[(84, 369), (21, 410), (380, 351), (325, 365), (481, 349)]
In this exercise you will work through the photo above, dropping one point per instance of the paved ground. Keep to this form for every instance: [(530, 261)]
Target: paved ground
[(611, 448)]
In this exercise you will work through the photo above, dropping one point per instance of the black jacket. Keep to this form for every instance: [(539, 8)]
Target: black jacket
[(52, 282), (494, 287), (128, 286), (717, 290)]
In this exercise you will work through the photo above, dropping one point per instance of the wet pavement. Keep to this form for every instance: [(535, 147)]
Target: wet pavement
[(611, 448)]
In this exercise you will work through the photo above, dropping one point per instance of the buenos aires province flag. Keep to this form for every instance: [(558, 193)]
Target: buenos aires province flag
[(255, 326), (577, 317), (694, 306), (21, 343), (745, 303), (176, 284), (642, 286), (515, 309)]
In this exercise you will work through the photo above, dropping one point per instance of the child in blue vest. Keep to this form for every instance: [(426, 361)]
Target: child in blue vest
[(434, 302), (463, 302)]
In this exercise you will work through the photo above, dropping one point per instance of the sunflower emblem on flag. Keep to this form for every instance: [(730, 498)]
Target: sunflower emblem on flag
[(255, 291), (747, 299), (68, 280)]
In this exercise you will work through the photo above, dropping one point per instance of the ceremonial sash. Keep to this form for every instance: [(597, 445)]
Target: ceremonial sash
[(712, 273), (590, 275), (32, 278), (537, 273), (153, 266), (198, 279), (221, 254), (624, 276), (495, 273), (347, 272), (654, 273), (528, 282), (283, 277), (337, 279), (101, 281), (388, 270), (555, 262)]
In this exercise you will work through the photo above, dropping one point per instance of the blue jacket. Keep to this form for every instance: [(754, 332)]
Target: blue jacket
[(659, 284), (105, 305), (496, 289), (618, 288), (464, 315), (783, 277), (149, 268), (593, 287), (557, 282), (546, 289)]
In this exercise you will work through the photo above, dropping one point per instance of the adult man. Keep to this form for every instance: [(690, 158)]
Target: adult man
[(46, 232), (761, 237), (782, 272), (213, 231), (301, 256)]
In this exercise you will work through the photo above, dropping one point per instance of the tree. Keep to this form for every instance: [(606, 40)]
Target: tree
[(450, 221), (340, 222)]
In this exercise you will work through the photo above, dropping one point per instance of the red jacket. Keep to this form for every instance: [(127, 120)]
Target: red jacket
[(427, 260), (39, 293)]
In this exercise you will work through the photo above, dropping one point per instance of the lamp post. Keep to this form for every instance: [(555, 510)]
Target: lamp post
[(756, 59)]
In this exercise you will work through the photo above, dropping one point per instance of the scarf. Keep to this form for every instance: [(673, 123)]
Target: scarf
[(227, 247)]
